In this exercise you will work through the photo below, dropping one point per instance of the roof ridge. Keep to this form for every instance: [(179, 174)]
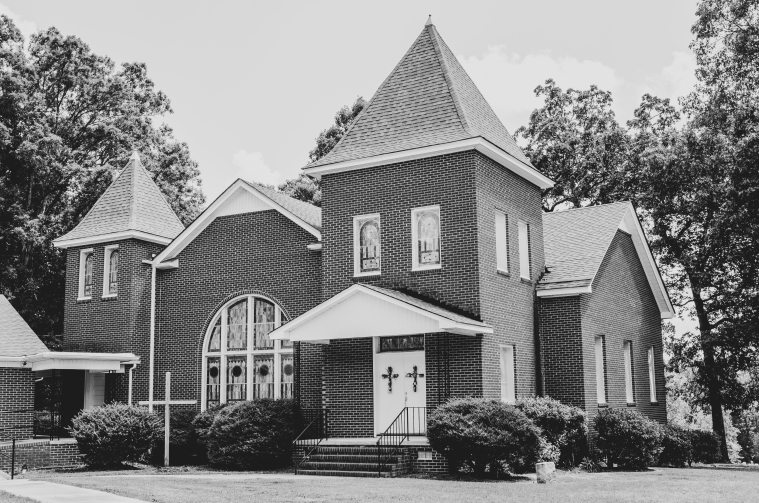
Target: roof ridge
[(134, 160), (368, 104), (160, 193), (437, 40), (591, 206)]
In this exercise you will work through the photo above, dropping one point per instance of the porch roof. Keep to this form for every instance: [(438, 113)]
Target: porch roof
[(60, 360), (364, 310)]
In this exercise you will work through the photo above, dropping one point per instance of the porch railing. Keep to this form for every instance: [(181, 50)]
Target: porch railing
[(313, 434), (411, 422)]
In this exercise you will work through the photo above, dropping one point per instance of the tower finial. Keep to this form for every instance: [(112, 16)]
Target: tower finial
[(135, 156), (429, 21)]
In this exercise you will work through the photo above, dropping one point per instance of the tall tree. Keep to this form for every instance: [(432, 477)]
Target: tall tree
[(575, 140), (306, 188), (69, 120)]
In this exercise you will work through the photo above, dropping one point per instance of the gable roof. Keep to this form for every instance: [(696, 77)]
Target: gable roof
[(244, 197), (16, 337), (428, 99), (576, 242), (132, 206)]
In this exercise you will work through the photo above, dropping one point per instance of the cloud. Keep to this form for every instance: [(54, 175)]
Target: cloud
[(508, 80), (674, 80), (27, 28), (252, 167)]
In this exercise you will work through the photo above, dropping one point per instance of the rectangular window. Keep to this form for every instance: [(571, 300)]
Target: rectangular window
[(367, 245), (524, 250), (425, 232), (628, 372), (508, 381), (111, 271), (502, 241), (401, 343), (600, 377), (86, 263), (652, 374)]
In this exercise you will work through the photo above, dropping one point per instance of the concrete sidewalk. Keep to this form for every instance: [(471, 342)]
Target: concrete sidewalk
[(48, 492)]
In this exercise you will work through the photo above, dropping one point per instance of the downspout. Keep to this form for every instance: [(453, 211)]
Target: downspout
[(152, 335)]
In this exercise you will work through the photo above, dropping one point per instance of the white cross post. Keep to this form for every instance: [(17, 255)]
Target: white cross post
[(167, 402)]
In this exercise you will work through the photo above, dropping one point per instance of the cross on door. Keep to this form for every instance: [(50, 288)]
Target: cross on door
[(390, 376), (414, 374), (167, 402)]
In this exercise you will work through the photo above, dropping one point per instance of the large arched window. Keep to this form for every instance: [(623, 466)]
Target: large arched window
[(240, 361)]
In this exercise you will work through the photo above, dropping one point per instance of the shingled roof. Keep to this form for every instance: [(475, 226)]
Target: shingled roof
[(16, 336), (427, 100), (132, 203), (309, 213)]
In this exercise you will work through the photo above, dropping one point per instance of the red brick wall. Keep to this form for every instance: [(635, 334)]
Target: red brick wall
[(507, 301), (41, 454), (16, 394), (263, 253), (622, 307)]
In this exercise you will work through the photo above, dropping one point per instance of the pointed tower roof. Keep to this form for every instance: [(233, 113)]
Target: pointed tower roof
[(131, 207), (427, 100)]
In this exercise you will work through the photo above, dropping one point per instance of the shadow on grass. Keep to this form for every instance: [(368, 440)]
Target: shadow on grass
[(465, 477)]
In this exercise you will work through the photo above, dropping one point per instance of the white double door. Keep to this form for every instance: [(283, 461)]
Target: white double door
[(399, 381)]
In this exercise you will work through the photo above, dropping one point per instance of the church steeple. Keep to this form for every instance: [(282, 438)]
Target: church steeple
[(132, 206), (428, 99)]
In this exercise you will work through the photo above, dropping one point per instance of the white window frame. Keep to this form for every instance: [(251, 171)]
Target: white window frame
[(502, 241), (357, 221), (629, 391), (524, 250), (83, 254), (508, 374), (652, 374), (415, 266), (600, 370), (278, 351), (108, 250)]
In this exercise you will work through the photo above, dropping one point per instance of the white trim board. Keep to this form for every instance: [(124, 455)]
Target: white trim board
[(363, 312), (480, 144), (113, 236), (240, 197)]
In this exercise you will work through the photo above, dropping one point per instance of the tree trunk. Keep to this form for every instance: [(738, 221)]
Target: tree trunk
[(710, 367)]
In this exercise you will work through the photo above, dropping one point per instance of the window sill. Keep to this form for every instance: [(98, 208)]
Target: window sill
[(109, 297), (632, 404), (603, 405), (501, 272), (84, 299), (654, 403), (366, 274), (422, 270), (525, 280)]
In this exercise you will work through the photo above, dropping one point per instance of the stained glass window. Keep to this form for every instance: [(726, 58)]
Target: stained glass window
[(238, 369), (287, 376), (213, 381), (237, 326), (214, 343), (369, 245), (113, 273), (428, 238), (237, 378), (263, 376), (88, 275), (264, 324)]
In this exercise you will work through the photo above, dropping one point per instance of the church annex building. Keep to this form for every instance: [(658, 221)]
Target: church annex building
[(429, 272)]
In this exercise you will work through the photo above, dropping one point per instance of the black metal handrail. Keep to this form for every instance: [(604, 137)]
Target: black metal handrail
[(411, 422), (313, 434)]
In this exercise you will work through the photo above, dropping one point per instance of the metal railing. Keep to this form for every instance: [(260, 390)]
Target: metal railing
[(314, 432), (12, 438), (411, 422)]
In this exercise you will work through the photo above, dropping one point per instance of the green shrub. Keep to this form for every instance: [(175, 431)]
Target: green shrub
[(186, 447), (477, 433), (628, 438), (249, 435), (562, 425), (676, 447), (115, 433), (706, 446)]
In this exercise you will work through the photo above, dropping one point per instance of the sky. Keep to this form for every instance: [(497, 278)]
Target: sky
[(253, 83)]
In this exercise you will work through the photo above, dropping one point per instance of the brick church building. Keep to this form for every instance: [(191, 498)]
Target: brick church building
[(430, 271)]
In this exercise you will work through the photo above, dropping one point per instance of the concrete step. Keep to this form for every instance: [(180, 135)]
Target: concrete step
[(352, 467), (351, 458), (346, 473)]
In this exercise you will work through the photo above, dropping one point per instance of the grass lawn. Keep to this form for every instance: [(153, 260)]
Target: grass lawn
[(197, 486)]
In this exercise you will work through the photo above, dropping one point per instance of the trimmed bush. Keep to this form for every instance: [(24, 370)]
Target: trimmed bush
[(628, 438), (676, 447), (562, 425), (249, 435), (186, 447), (477, 433), (706, 446), (115, 433)]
